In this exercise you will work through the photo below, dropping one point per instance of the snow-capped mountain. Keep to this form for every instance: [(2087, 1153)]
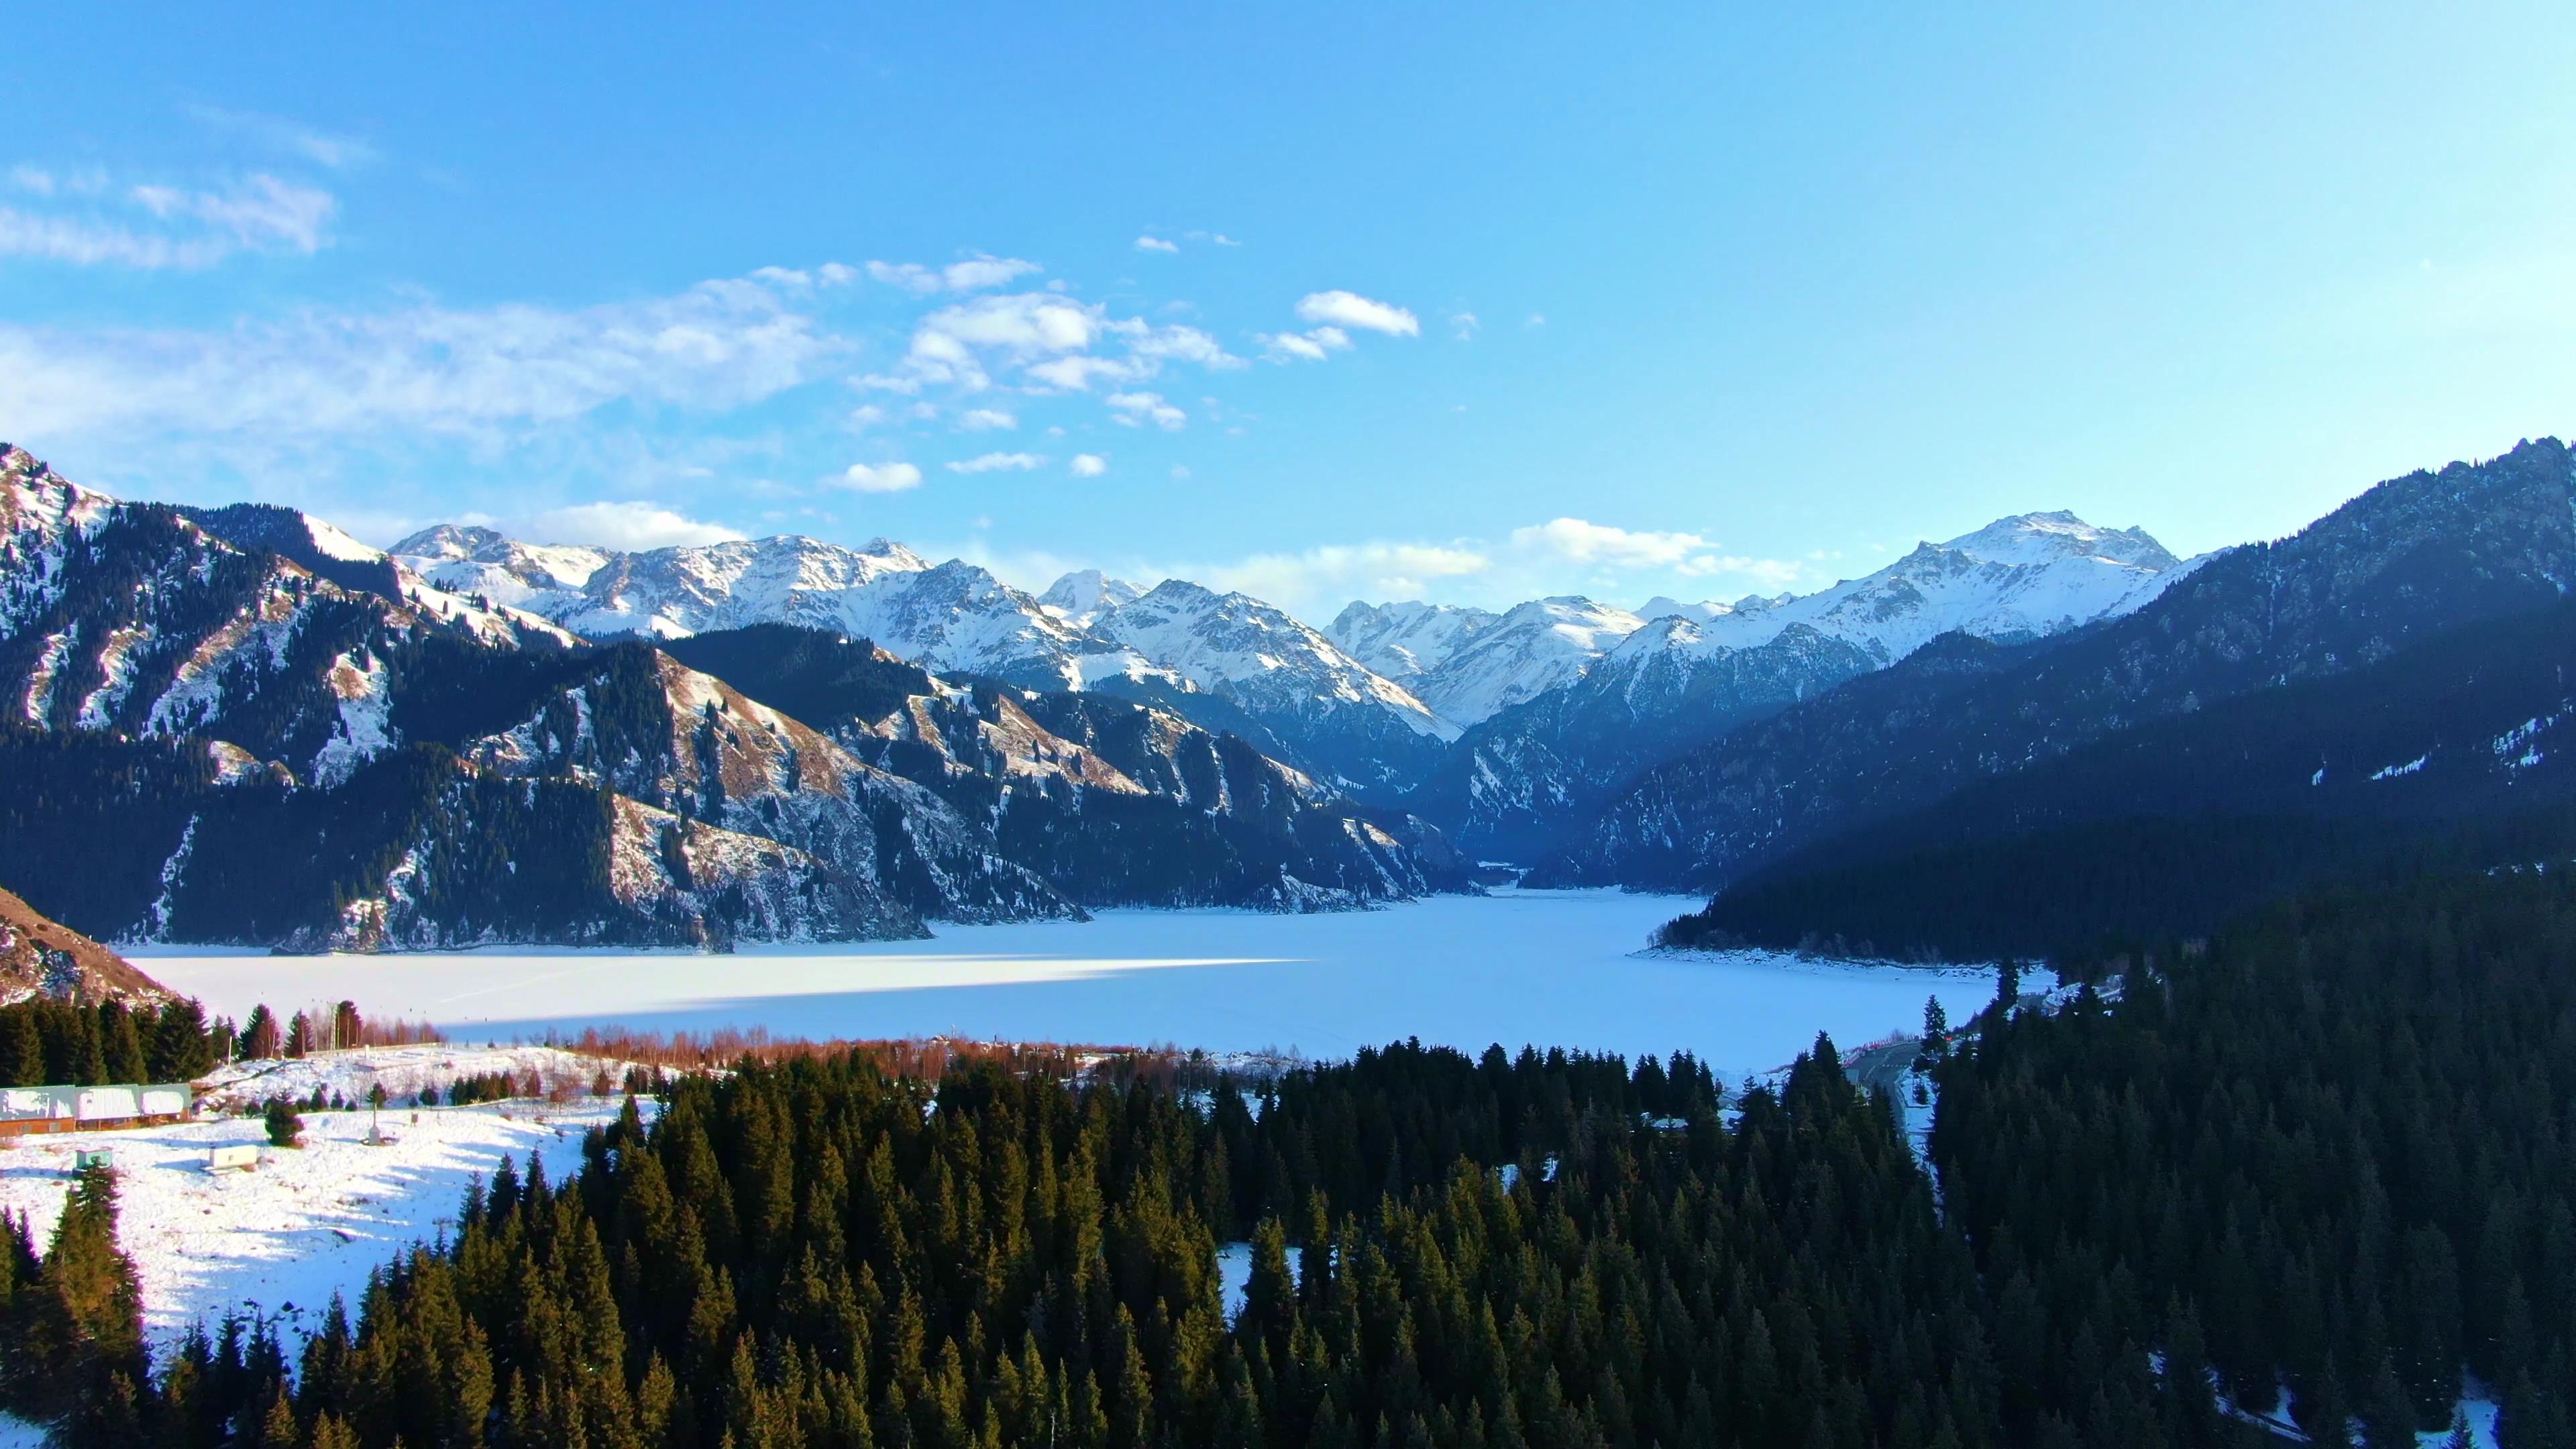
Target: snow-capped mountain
[(1227, 661), (1230, 661), (2018, 577), (1528, 650), (1406, 640), (2406, 559), (951, 616), (1085, 594), (1691, 672), (141, 620), (248, 727)]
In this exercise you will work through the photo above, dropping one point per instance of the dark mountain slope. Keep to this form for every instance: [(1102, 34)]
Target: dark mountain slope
[(2409, 558), (2448, 751)]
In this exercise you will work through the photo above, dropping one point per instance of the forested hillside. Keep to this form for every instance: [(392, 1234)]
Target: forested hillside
[(2335, 1151), (2444, 753)]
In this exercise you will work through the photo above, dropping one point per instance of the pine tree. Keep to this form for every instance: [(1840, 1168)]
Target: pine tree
[(83, 1318), (259, 1037), (22, 1049)]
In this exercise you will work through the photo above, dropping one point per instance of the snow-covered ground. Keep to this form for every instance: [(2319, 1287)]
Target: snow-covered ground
[(402, 1071), (1562, 968), (308, 1222)]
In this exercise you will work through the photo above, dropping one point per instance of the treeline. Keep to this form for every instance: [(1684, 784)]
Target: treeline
[(2074, 894), (2335, 1151), (53, 1043), (1549, 1250), (60, 1043)]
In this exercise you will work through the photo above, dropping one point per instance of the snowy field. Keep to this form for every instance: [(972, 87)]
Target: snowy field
[(277, 1242), (1553, 968)]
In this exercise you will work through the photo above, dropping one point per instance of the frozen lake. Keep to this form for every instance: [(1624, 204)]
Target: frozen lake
[(1551, 968)]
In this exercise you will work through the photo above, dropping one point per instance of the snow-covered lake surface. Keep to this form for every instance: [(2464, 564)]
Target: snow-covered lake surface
[(1551, 968)]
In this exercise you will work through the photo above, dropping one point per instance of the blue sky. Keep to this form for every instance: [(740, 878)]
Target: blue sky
[(1322, 302)]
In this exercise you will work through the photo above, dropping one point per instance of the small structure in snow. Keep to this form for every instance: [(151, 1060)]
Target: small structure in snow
[(25, 1111), (244, 1158)]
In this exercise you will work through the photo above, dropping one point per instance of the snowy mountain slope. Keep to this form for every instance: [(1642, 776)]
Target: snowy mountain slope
[(1527, 773), (949, 616), (1225, 659), (2020, 577), (642, 724), (1530, 649), (1111, 801), (136, 619), (2409, 557), (1407, 640)]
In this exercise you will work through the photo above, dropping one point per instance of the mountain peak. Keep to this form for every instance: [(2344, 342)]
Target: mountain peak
[(1084, 595), (450, 541), (2039, 538)]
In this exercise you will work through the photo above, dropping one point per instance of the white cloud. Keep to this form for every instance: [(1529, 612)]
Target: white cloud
[(1536, 319), (1180, 472), (155, 227), (1350, 309), (1076, 374), (1175, 343), (1089, 465), (1049, 337), (1580, 541), (1328, 576), (1147, 406), (972, 275), (1312, 346), (439, 369), (998, 462), (1155, 244), (1462, 325), (985, 420), (879, 477), (1218, 237), (627, 526)]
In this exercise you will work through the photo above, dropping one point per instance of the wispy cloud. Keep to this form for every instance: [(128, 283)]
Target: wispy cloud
[(985, 420), (1135, 408), (429, 368), (1156, 244), (975, 274), (1088, 465), (79, 220), (998, 463)]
